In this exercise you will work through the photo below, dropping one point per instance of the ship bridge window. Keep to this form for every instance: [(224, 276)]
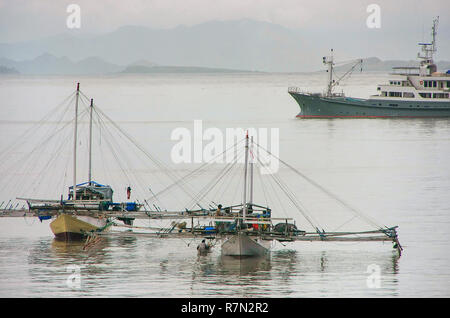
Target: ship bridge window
[(440, 95), (395, 94), (425, 95), (448, 84), (408, 95), (430, 84)]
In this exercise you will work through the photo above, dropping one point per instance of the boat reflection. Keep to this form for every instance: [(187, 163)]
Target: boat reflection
[(243, 265)]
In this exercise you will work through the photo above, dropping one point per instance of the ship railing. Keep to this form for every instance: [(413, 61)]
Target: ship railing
[(294, 89), (341, 94)]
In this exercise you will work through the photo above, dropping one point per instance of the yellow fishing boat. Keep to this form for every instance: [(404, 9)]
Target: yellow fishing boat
[(84, 210), (70, 227)]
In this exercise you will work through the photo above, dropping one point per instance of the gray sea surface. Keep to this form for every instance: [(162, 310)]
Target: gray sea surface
[(397, 171)]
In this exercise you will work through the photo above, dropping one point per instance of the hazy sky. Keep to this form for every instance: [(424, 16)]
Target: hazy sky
[(33, 19)]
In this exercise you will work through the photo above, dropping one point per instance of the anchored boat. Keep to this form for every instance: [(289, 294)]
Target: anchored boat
[(85, 212), (243, 229), (249, 229), (411, 92)]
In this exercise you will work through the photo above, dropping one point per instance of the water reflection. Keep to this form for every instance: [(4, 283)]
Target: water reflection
[(79, 251), (242, 266), (140, 263)]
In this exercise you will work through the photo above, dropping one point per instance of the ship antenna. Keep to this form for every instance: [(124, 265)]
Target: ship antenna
[(433, 34), (430, 48)]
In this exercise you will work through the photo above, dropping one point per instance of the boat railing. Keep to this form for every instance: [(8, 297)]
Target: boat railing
[(341, 94), (294, 89)]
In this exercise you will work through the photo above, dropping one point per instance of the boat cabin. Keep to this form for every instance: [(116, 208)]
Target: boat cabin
[(92, 191)]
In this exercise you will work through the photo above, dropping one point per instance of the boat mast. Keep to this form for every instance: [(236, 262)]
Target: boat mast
[(433, 35), (427, 66), (251, 171), (74, 189), (430, 48), (245, 178), (90, 142), (328, 60)]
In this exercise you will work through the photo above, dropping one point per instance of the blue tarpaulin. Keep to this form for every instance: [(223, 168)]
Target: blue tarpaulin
[(44, 217), (131, 206)]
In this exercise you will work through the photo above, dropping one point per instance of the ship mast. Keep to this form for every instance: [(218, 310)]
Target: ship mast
[(428, 49), (74, 189), (328, 60)]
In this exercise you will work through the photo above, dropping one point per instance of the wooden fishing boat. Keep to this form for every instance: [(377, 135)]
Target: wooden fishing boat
[(244, 230), (85, 210)]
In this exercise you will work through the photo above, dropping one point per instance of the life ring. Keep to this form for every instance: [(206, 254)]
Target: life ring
[(421, 82)]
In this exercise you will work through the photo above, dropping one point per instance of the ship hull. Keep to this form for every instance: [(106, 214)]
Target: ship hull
[(74, 228), (244, 245), (312, 106)]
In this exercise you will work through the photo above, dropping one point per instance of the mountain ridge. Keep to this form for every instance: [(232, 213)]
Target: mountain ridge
[(48, 64)]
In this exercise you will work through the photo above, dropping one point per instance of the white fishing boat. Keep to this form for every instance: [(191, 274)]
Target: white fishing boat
[(242, 243)]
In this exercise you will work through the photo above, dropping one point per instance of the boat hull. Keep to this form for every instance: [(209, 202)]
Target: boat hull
[(314, 106), (71, 228), (243, 245)]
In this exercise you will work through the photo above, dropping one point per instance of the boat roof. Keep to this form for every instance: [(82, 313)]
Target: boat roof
[(406, 68), (91, 183)]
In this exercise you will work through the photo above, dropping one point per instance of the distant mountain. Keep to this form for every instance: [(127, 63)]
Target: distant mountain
[(241, 44), (137, 69), (7, 70), (238, 44), (48, 64), (144, 63)]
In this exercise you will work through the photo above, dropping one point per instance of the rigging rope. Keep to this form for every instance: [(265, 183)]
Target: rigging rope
[(330, 194)]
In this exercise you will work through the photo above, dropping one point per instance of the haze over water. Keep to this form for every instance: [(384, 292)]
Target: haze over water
[(395, 170)]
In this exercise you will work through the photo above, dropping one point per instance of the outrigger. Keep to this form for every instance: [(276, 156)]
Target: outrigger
[(249, 229), (85, 210), (244, 229)]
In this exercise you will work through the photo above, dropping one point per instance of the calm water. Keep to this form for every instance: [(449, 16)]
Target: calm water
[(396, 171)]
